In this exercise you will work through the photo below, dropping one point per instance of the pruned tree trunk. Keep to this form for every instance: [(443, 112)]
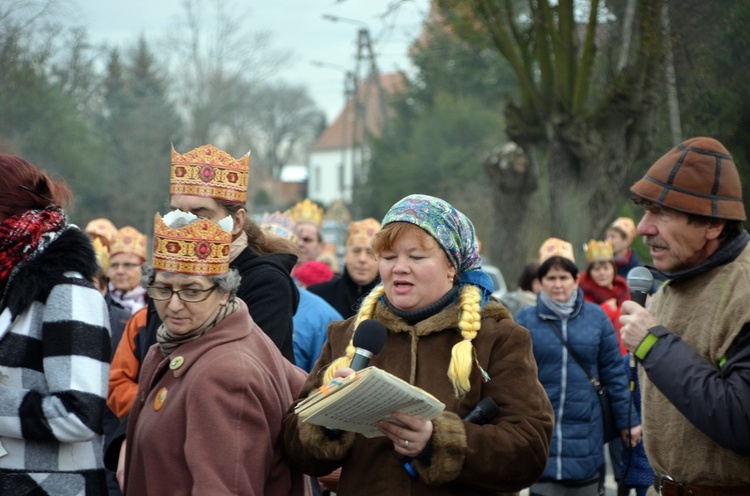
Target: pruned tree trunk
[(513, 173)]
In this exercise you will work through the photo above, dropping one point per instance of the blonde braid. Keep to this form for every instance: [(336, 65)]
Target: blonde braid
[(462, 354), (365, 312)]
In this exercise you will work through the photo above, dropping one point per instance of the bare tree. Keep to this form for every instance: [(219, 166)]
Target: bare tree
[(216, 63), (283, 123), (29, 13)]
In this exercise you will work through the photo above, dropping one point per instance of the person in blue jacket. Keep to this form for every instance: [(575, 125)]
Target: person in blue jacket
[(576, 463)]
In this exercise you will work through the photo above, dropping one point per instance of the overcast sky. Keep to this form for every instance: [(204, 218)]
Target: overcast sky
[(296, 25)]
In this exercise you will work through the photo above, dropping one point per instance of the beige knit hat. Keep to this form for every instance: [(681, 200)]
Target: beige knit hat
[(696, 177)]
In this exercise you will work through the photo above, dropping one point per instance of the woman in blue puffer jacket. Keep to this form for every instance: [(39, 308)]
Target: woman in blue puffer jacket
[(576, 463)]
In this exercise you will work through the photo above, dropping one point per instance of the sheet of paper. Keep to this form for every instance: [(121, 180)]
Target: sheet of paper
[(375, 397)]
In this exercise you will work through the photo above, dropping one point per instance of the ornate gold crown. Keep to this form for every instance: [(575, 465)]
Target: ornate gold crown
[(129, 240), (102, 228), (362, 232), (209, 172), (102, 254), (306, 212), (281, 225), (200, 248), (599, 251), (554, 247)]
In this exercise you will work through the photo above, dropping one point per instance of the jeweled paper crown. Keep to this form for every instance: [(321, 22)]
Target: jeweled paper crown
[(211, 173), (281, 225), (199, 249), (102, 254), (102, 228), (554, 247), (599, 251), (306, 212), (129, 240), (362, 232)]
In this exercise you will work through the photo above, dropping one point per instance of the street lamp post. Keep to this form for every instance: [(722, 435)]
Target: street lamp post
[(345, 117), (359, 121)]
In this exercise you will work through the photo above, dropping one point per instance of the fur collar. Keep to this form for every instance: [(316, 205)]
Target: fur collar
[(446, 319), (71, 251)]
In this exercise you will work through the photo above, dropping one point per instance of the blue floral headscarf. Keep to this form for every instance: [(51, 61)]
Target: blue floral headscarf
[(452, 230)]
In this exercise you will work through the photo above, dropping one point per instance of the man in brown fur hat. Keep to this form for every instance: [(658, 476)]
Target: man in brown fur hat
[(693, 343)]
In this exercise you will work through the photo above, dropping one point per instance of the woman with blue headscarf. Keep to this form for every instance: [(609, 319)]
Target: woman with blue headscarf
[(446, 336)]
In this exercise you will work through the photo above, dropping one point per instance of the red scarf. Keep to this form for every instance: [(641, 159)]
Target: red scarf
[(21, 235), (599, 294)]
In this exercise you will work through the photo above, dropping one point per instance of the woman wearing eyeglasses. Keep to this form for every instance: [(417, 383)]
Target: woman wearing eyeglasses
[(126, 255), (213, 390)]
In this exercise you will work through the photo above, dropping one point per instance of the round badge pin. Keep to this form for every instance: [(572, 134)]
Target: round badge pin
[(176, 363), (159, 399)]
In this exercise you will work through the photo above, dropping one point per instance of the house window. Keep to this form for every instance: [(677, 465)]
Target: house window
[(317, 179)]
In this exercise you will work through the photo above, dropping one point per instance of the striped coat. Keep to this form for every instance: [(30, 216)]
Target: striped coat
[(54, 364)]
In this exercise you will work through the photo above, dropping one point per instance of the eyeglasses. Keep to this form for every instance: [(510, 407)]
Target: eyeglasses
[(189, 295), (125, 265)]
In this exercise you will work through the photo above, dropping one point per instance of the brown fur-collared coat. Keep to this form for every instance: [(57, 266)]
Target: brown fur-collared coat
[(503, 456)]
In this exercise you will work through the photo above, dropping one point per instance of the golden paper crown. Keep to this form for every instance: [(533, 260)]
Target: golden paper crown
[(129, 240), (306, 212), (280, 225), (362, 232), (200, 248), (211, 173), (102, 254), (626, 226), (554, 247), (599, 251), (102, 228)]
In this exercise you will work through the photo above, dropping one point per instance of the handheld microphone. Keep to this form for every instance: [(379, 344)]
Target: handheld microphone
[(485, 411), (369, 339), (640, 281), (482, 413)]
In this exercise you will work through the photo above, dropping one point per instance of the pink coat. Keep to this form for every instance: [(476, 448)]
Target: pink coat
[(211, 422)]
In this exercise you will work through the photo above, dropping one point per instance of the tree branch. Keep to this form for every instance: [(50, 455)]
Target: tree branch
[(586, 67), (531, 102)]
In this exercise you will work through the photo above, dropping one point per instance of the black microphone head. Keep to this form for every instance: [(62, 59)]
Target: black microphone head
[(483, 412), (370, 335), (489, 407), (640, 279)]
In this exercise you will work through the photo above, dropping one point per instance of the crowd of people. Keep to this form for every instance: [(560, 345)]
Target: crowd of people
[(177, 369)]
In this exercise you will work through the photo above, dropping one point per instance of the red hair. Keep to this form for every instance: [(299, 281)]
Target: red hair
[(24, 187), (387, 237)]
